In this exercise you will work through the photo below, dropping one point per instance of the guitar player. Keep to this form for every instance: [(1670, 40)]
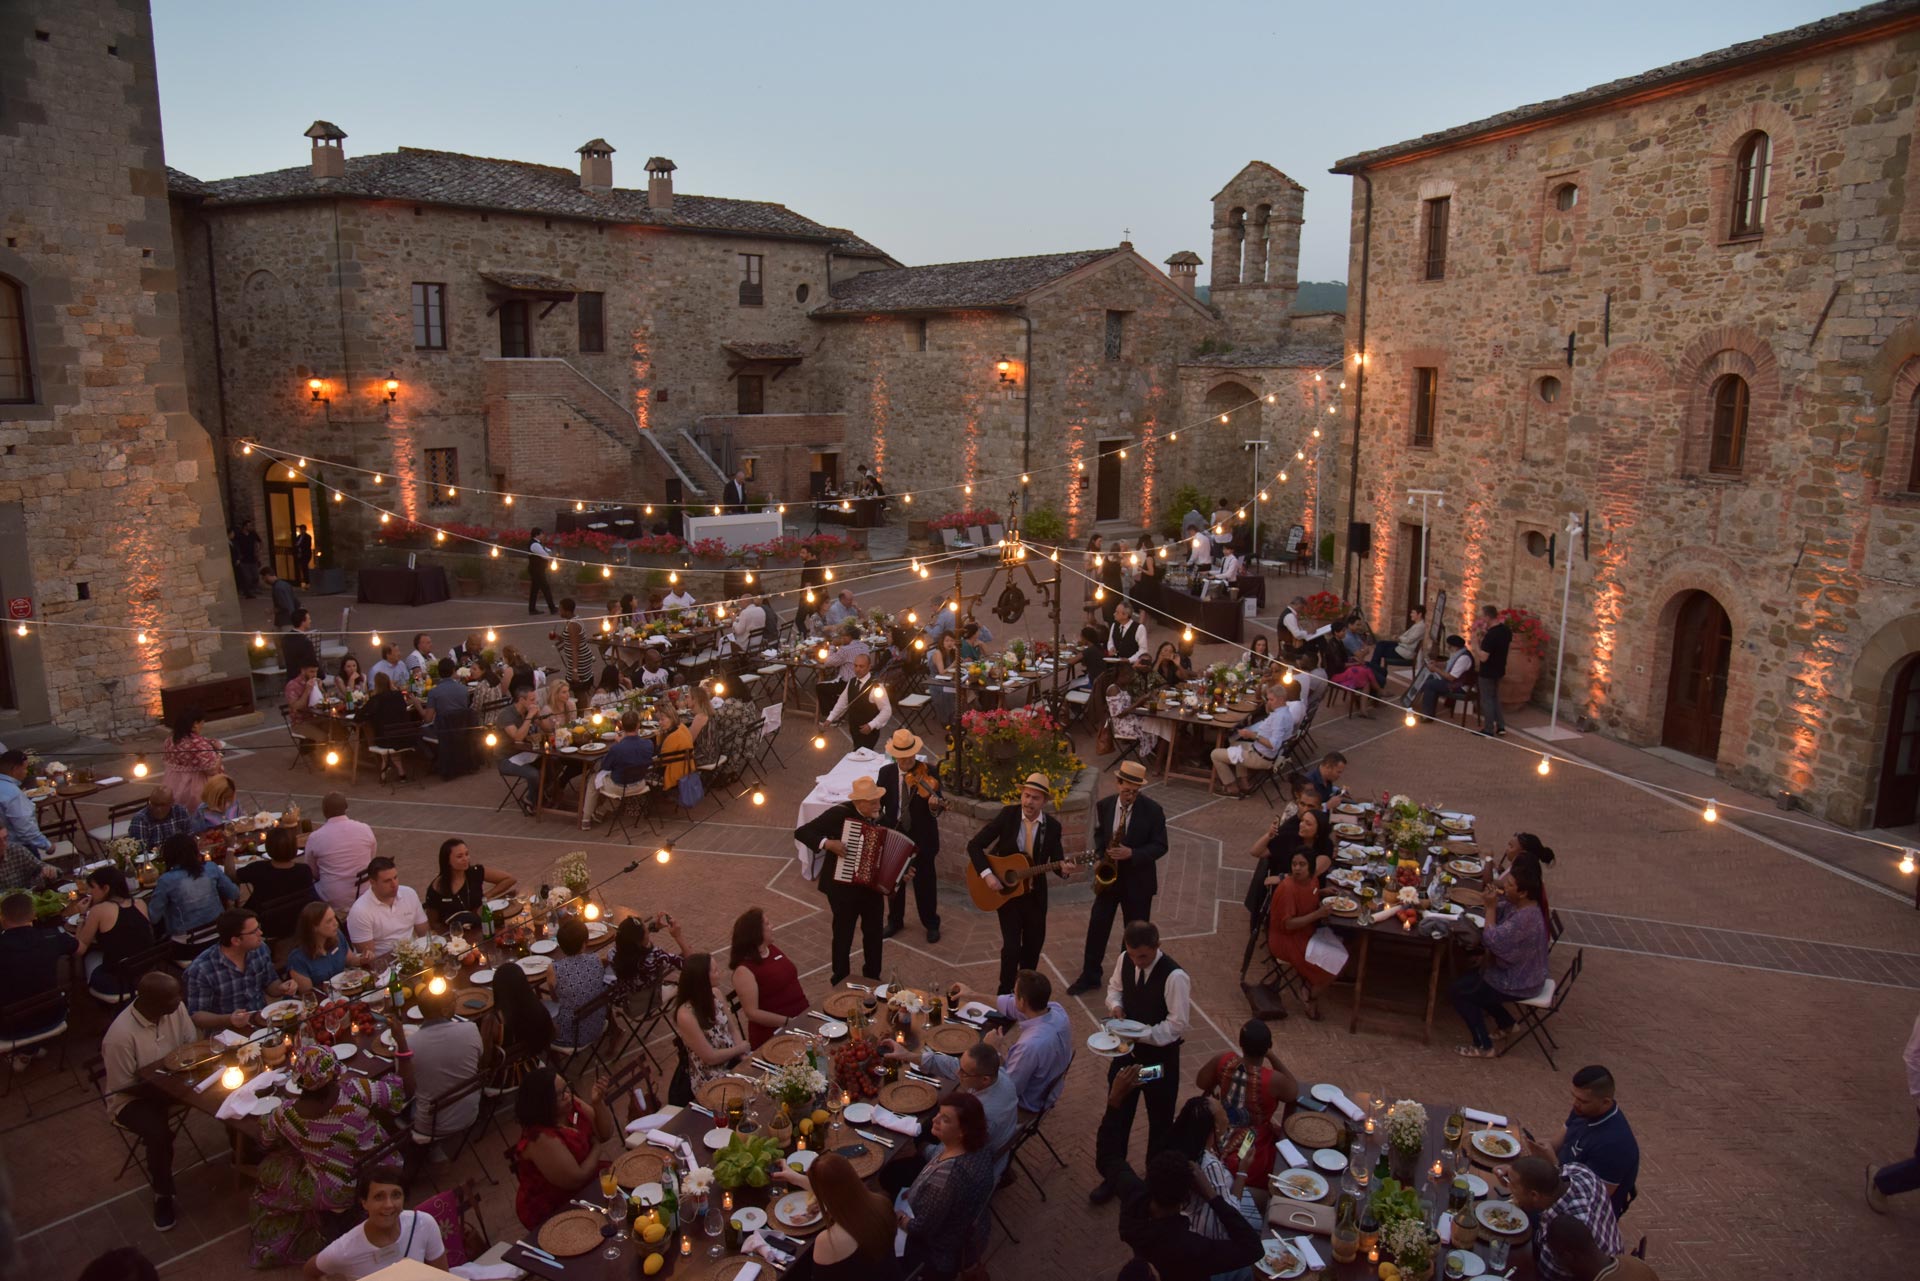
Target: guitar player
[(851, 904), (1132, 831), (1025, 829)]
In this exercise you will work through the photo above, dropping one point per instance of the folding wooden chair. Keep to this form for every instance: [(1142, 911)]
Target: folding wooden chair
[(1537, 1010), (629, 799), (96, 1070), (302, 747), (639, 1024), (66, 836), (1030, 1130), (474, 1086), (562, 1054)]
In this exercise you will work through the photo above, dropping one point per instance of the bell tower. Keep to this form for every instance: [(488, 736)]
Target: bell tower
[(1256, 251)]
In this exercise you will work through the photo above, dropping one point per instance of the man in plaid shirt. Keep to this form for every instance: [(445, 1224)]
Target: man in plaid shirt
[(161, 819), (234, 977), (1547, 1192)]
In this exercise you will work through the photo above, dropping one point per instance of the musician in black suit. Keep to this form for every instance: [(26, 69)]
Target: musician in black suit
[(735, 497), (850, 904), (907, 810), (1135, 843), (1021, 829)]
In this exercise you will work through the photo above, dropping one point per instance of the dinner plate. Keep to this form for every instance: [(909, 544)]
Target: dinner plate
[(978, 1010), (1127, 1029), (1477, 1186), (1341, 905), (386, 1038), (279, 1009), (498, 905), (1498, 1144), (752, 1218), (544, 946), (1349, 829), (1326, 1092), (858, 1113), (413, 1012), (269, 1103), (833, 1031), (533, 966), (880, 993), (1300, 1185), (482, 976), (569, 751), (790, 1211), (1471, 1264), (345, 1050), (69, 888), (1332, 1160), (1104, 1043), (1281, 1261), (609, 736), (1492, 1214), (596, 929), (716, 1139), (1465, 866), (802, 1159)]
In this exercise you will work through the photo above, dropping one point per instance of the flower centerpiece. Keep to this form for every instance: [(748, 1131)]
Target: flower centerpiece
[(1324, 607), (125, 853), (571, 871), (1017, 650), (795, 1086), (1411, 1245), (1405, 829), (1406, 1136), (694, 1186)]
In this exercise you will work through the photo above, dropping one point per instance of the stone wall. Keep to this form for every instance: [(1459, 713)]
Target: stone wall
[(782, 447), (107, 497), (1223, 467), (1577, 337)]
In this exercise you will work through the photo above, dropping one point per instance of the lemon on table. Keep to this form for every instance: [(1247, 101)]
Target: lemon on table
[(653, 1233), (820, 1117), (654, 1263), (806, 1125), (1388, 1272)]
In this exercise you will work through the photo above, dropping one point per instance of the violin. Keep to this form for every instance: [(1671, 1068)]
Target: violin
[(923, 782)]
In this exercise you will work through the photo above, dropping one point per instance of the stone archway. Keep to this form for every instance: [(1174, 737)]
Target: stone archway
[(1883, 681)]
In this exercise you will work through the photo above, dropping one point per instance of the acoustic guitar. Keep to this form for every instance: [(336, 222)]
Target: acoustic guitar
[(1014, 872)]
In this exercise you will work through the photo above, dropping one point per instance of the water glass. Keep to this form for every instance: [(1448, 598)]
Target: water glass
[(1497, 1254)]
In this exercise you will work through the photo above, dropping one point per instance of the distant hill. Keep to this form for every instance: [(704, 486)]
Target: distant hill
[(1314, 295)]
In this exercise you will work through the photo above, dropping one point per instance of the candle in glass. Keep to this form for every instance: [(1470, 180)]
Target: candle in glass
[(686, 1245)]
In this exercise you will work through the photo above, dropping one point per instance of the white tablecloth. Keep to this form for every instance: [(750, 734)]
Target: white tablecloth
[(829, 789)]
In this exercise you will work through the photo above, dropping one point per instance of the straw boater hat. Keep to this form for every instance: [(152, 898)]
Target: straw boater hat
[(904, 745), (1039, 783), (865, 789), (1133, 772)]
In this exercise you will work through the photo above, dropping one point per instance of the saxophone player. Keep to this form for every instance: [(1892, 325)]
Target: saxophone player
[(1130, 830)]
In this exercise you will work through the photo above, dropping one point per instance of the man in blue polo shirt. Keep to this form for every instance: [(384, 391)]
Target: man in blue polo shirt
[(1598, 1136)]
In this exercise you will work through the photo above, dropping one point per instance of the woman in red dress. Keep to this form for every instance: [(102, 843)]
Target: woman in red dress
[(767, 983), (1291, 920), (1256, 1089), (554, 1156)]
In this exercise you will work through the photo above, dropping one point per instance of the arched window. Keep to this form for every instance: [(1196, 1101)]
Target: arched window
[(1913, 443), (1751, 167), (16, 370), (1729, 425)]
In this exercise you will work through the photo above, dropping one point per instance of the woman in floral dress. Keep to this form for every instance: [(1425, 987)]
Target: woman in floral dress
[(311, 1147)]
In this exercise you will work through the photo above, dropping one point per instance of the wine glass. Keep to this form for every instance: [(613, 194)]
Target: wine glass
[(713, 1225)]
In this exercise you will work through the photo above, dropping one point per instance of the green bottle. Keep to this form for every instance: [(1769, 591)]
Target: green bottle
[(393, 990), (486, 920), (670, 1200), (1382, 1169)]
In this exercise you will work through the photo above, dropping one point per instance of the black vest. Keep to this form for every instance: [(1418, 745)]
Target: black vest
[(861, 709), (1146, 1002), (1126, 640)]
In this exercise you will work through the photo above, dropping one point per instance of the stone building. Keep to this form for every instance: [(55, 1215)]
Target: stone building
[(109, 511), (1681, 305), (466, 327)]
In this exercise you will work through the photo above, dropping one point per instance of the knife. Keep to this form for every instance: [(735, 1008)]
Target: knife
[(865, 1134), (540, 1254), (922, 1076), (588, 1205), (702, 1111)]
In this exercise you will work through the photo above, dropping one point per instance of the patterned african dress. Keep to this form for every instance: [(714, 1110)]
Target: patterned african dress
[(307, 1172)]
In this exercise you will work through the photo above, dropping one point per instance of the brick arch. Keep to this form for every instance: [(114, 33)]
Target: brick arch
[(1723, 145), (1763, 117), (1873, 675), (1688, 570), (1727, 349), (1892, 378)]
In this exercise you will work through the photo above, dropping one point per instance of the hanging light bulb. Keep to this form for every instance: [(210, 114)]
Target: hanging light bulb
[(1025, 479), (606, 571), (906, 498), (508, 500), (333, 758), (649, 509), (1240, 514), (1187, 636), (494, 552), (1263, 495), (246, 449), (954, 605), (1123, 453), (493, 739), (452, 492), (378, 479), (1133, 558), (1412, 720), (1300, 455), (385, 517), (259, 641), (20, 630), (1286, 677), (782, 509), (606, 624), (913, 617), (1223, 418), (828, 575), (1316, 378), (141, 638), (819, 743), (1906, 863), (489, 635), (1099, 593), (439, 535), (719, 611), (1545, 767), (1270, 398), (749, 578), (1316, 433), (1173, 435), (339, 497), (140, 767), (925, 572), (919, 642), (291, 473), (1163, 554), (375, 638), (1711, 813), (759, 797), (673, 577), (716, 511), (1283, 478), (664, 854)]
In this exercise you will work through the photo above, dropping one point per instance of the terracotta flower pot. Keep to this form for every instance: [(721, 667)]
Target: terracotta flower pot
[(1523, 673)]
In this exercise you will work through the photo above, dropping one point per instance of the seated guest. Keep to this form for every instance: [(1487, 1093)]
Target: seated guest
[(161, 819), (1405, 649), (1260, 655), (679, 598), (1548, 1192), (314, 1144), (517, 725), (857, 1242), (191, 892), (554, 1154), (449, 706), (1255, 1089), (638, 964), (390, 1232), (116, 929), (395, 724), (470, 650), (1525, 847), (1295, 913), (843, 610), (29, 966), (389, 665), (1597, 1136), (320, 950), (218, 805), (446, 1055), (462, 885), (974, 640), (150, 1027), (558, 704), (1305, 797), (1170, 666), (518, 1023), (631, 755), (1153, 1216), (977, 1071), (674, 740), (387, 913), (1038, 1048), (944, 1211), (302, 698), (279, 887), (748, 624), (420, 659), (338, 851), (1327, 774), (1453, 679), (1515, 965), (1307, 832), (1341, 668), (522, 672), (767, 983), (193, 759), (348, 678), (578, 977), (1572, 1244), (233, 978), (1256, 749), (1199, 1134), (702, 1023), (611, 687), (652, 674), (734, 725)]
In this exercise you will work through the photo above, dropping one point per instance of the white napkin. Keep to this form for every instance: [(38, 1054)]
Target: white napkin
[(1430, 915), (108, 782), (1475, 1114), (1446, 1228), (1385, 912), (240, 1102), (1293, 1154), (642, 1124), (757, 1244), (216, 1075), (1467, 839), (228, 1038), (1307, 1252), (894, 1121), (1478, 920), (1352, 1110), (664, 1140), (1457, 817), (747, 1273), (488, 1271)]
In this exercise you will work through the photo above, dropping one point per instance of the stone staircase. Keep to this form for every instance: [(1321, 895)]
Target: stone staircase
[(694, 461)]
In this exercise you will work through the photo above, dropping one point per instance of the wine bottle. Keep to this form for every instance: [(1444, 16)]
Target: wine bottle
[(486, 920)]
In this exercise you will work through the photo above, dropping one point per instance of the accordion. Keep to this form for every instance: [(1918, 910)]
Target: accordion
[(877, 857)]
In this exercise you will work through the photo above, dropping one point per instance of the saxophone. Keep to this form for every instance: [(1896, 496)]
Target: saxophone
[(1106, 872)]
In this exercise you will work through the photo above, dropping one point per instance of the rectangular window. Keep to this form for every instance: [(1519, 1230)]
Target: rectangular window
[(1426, 388), (516, 336), (920, 334), (1116, 333), (429, 316), (1438, 210), (751, 292), (593, 327), (752, 393), (16, 371), (750, 465), (443, 477)]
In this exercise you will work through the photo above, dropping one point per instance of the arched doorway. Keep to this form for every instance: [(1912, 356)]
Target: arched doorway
[(1697, 684), (1899, 802)]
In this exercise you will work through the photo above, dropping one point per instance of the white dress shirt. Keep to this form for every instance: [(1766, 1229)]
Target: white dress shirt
[(1179, 995), (747, 624), (678, 600), (396, 673), (381, 927), (877, 692), (422, 663)]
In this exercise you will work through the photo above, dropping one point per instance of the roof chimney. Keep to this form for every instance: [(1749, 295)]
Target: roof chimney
[(1184, 267), (660, 184), (329, 160), (596, 166)]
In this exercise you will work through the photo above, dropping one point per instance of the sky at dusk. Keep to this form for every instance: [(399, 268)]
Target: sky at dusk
[(940, 132)]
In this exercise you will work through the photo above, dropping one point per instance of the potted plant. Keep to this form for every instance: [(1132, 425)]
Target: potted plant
[(571, 871), (1525, 655), (1411, 1246), (1406, 1136)]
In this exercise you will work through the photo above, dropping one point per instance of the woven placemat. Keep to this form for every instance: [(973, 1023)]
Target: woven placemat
[(908, 1097), (795, 1229), (842, 1004), (639, 1166), (782, 1049), (570, 1232), (866, 1164), (1313, 1129), (714, 1094), (191, 1052), (474, 1001), (950, 1038)]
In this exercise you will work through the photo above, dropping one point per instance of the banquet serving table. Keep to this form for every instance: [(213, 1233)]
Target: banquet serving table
[(398, 585), (1214, 619)]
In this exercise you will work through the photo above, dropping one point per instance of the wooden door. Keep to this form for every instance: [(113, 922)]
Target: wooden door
[(1899, 802), (1697, 685), (1106, 505), (289, 505), (1410, 541), (516, 335)]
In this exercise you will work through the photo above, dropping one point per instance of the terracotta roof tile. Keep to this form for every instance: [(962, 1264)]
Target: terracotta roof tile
[(955, 286), (766, 351), (1732, 55)]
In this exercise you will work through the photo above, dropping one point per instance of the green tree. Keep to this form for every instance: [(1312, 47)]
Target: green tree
[(1044, 523), (1185, 499)]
